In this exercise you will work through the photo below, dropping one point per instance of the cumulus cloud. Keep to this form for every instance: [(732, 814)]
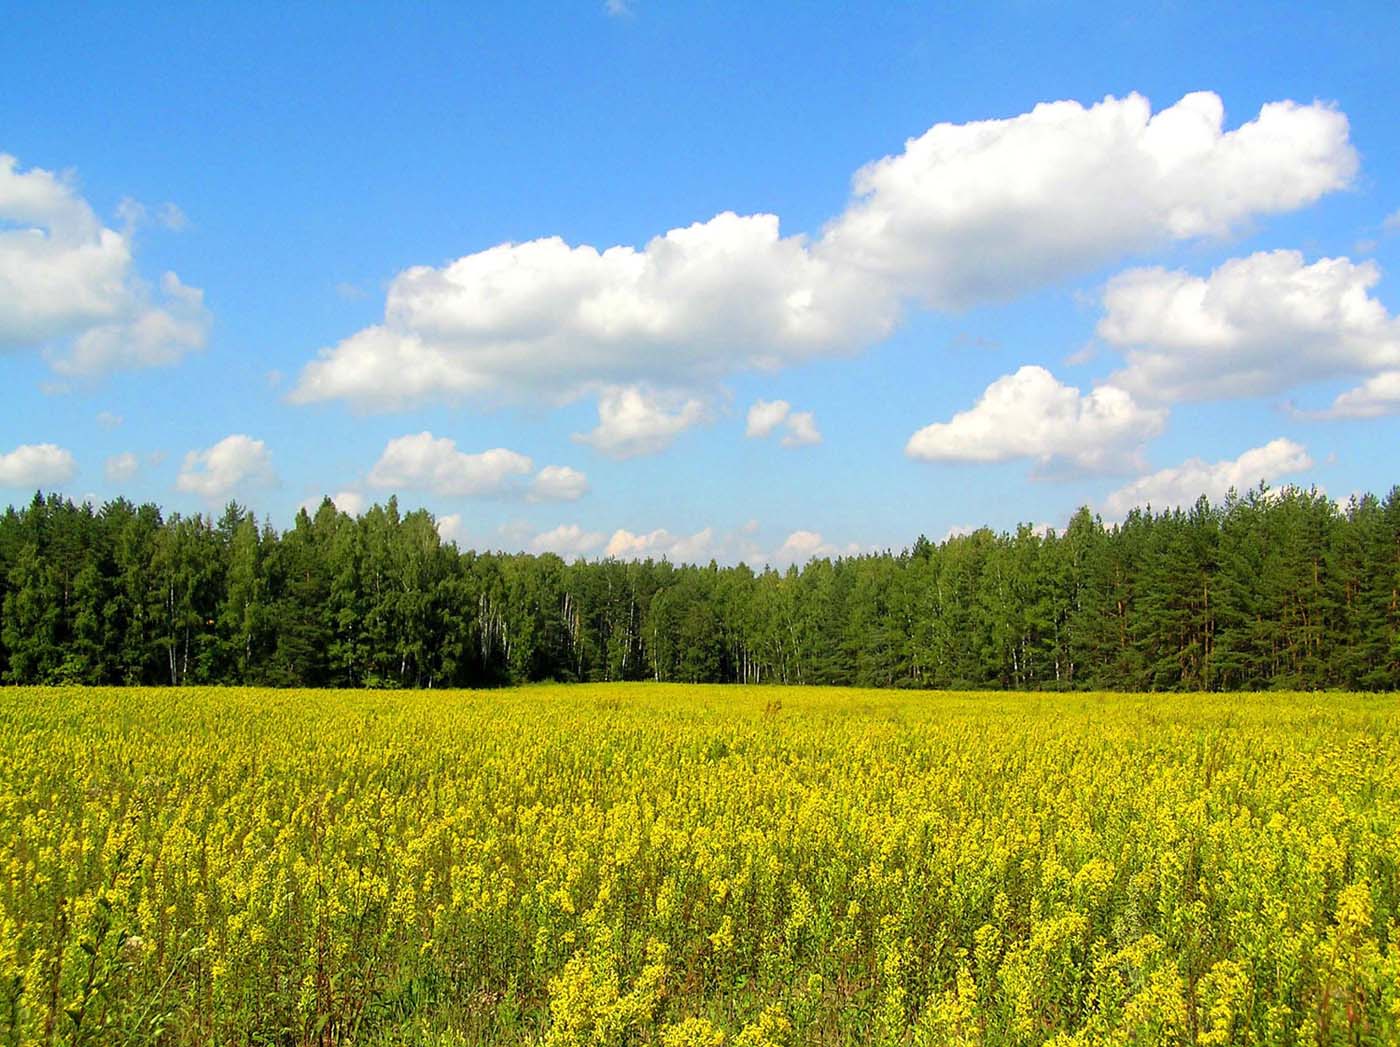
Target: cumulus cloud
[(558, 483), (634, 421), (767, 415), (699, 547), (1183, 484), (37, 465), (966, 213), (1256, 325), (69, 284), (545, 317), (802, 430), (424, 462), (1030, 414), (567, 540), (740, 545), (1373, 398), (108, 420), (152, 336), (352, 503), (234, 463), (801, 546), (121, 467), (985, 210), (449, 528)]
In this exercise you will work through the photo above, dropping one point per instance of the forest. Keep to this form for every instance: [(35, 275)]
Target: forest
[(1282, 589)]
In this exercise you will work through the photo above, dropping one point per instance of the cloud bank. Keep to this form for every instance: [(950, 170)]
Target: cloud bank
[(967, 213), (1183, 484)]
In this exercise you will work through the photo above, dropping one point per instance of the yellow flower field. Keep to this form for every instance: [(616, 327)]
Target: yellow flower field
[(685, 866)]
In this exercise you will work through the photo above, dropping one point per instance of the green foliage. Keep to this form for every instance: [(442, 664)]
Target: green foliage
[(1270, 590)]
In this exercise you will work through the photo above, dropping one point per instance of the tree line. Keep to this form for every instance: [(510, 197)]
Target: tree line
[(1269, 589)]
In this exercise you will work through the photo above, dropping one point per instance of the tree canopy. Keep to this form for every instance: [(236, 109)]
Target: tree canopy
[(1269, 589)]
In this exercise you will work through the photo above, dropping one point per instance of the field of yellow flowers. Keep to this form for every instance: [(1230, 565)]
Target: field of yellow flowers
[(687, 866)]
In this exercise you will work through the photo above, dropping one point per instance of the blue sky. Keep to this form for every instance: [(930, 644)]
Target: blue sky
[(1173, 282)]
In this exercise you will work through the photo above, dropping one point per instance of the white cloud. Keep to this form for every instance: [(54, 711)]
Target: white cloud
[(108, 420), (1392, 223), (558, 483), (151, 337), (617, 8), (736, 546), (1374, 398), (802, 430), (172, 217), (352, 503), (634, 421), (121, 467), (68, 283), (37, 465), (544, 317), (1030, 414), (801, 546), (167, 215), (967, 213), (567, 540), (986, 210), (60, 270), (234, 463), (1256, 325), (699, 547), (424, 462), (449, 528), (1183, 484), (767, 415)]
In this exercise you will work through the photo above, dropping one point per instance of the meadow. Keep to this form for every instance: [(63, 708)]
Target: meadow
[(688, 866)]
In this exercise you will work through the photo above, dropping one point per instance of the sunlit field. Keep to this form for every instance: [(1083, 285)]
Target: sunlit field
[(697, 866)]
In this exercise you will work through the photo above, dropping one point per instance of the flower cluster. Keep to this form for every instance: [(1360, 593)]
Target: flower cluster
[(672, 865)]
